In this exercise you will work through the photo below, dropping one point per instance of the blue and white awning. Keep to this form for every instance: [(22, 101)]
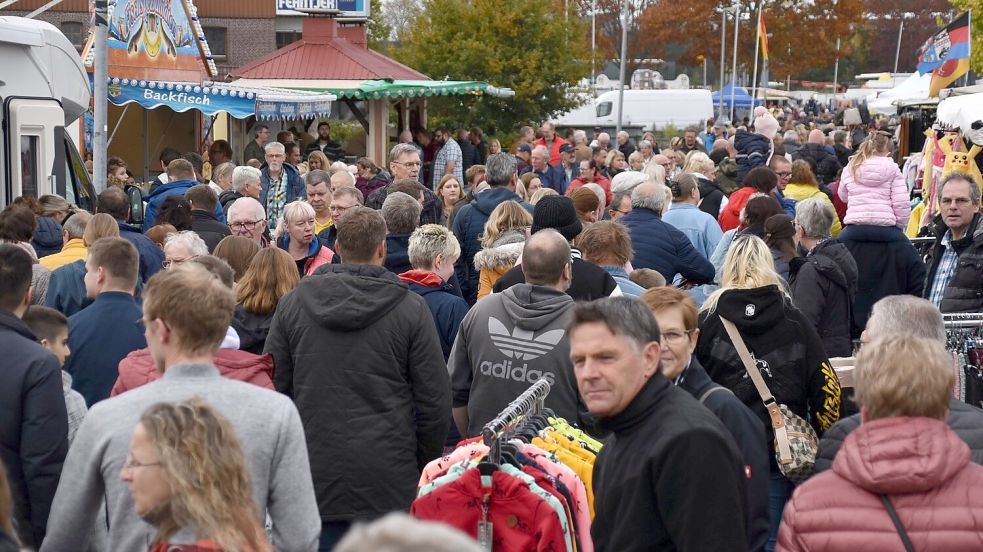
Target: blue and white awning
[(212, 98)]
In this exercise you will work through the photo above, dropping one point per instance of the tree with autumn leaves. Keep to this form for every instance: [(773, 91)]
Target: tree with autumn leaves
[(531, 47)]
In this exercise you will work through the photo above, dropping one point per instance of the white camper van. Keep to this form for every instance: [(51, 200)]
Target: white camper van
[(43, 90), (644, 109)]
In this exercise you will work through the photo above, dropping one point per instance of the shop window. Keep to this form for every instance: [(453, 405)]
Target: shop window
[(215, 36), (73, 31), (284, 38)]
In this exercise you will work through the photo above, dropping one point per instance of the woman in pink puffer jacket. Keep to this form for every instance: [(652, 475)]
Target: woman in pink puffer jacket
[(903, 450), (872, 186)]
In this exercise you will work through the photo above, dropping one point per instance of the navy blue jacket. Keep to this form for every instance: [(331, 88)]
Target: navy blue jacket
[(469, 224), (556, 178), (47, 237), (328, 237), (151, 255), (753, 150), (887, 264), (749, 434), (66, 289), (296, 189), (660, 246), (446, 306), (100, 336), (398, 253), (33, 425), (160, 193)]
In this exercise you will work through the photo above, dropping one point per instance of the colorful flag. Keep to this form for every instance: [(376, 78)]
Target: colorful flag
[(946, 54), (763, 34)]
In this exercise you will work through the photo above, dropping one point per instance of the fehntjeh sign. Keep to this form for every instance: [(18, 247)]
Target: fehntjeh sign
[(353, 9), (159, 40)]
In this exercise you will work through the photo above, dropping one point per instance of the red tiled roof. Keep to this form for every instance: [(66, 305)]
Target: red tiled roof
[(323, 55)]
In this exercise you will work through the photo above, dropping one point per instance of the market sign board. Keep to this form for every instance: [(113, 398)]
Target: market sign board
[(159, 40), (353, 9)]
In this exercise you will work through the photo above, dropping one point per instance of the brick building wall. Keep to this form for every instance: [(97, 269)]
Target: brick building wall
[(246, 40)]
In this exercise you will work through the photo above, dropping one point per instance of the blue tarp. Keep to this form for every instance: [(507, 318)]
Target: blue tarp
[(742, 100)]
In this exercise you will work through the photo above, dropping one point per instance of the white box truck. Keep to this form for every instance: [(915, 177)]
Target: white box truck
[(644, 109), (44, 89)]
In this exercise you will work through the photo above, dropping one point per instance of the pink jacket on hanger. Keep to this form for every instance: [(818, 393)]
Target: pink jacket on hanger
[(921, 464)]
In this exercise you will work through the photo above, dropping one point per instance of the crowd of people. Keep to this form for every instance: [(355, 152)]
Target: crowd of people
[(278, 350)]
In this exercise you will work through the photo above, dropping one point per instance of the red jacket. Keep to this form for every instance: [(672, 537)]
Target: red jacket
[(730, 218), (920, 463), (138, 369), (599, 180), (554, 147)]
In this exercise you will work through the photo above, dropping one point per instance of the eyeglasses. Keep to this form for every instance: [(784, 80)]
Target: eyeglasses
[(413, 164), (131, 464), (339, 208), (784, 175), (167, 263), (248, 225), (675, 337), (958, 201)]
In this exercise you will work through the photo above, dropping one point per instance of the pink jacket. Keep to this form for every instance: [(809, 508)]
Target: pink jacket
[(138, 369), (921, 464), (878, 196)]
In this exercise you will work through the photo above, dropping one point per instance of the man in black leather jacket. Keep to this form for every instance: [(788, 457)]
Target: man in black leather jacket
[(922, 319)]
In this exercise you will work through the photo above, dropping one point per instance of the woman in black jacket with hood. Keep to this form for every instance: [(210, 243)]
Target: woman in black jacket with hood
[(785, 346)]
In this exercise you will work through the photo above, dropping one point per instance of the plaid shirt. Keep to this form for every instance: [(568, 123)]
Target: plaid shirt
[(276, 199), (450, 152), (75, 405), (944, 272)]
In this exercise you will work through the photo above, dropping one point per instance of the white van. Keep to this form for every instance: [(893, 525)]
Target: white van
[(43, 90), (654, 109)]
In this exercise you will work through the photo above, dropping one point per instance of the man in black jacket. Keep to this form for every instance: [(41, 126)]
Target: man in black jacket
[(824, 164), (203, 220), (954, 281), (676, 314), (920, 319), (670, 477), (33, 417), (114, 202), (358, 353), (589, 280)]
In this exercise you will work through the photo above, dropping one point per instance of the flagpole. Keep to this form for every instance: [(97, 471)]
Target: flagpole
[(757, 43)]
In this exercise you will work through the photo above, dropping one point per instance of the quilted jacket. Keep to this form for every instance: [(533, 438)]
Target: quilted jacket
[(877, 195), (921, 464)]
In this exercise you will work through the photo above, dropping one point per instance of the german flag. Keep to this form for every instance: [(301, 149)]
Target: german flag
[(946, 54)]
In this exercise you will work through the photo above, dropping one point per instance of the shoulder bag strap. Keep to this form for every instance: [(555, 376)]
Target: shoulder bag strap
[(908, 546), (774, 412), (713, 390)]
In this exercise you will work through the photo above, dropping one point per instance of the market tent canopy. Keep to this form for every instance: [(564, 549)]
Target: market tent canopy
[(741, 98), (961, 110), (384, 88), (914, 87), (213, 98)]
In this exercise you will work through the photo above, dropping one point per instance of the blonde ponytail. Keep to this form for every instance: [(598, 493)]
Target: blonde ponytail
[(876, 142)]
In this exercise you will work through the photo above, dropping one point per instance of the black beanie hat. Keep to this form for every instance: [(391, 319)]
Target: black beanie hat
[(558, 213)]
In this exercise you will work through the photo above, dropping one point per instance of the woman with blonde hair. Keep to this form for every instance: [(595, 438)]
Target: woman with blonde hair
[(271, 275), (803, 185), (494, 146), (502, 243), (188, 476), (872, 187), (712, 196), (614, 163), (540, 194), (317, 161), (66, 289), (531, 183), (787, 350)]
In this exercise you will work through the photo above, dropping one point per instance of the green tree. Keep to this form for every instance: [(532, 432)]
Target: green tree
[(975, 30), (378, 30), (530, 47)]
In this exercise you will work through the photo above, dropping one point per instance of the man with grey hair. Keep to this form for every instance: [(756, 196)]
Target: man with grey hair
[(74, 248), (659, 245), (254, 150), (823, 282), (955, 263), (668, 454), (245, 183), (402, 215), (625, 145), (486, 365), (404, 163), (247, 218), (342, 179), (906, 316), (182, 247), (280, 181), (470, 221)]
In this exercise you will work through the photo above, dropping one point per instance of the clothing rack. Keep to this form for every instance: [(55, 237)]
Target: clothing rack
[(963, 320), (531, 401)]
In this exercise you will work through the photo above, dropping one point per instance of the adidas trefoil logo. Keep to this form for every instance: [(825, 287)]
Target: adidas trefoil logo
[(522, 344)]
